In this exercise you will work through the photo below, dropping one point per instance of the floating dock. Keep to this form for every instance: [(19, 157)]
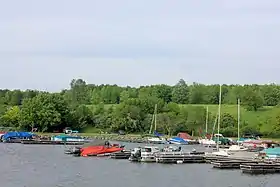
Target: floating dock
[(172, 158), (231, 164), (260, 168), (50, 142), (121, 155)]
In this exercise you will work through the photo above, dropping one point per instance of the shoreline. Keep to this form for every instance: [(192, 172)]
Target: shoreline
[(131, 138)]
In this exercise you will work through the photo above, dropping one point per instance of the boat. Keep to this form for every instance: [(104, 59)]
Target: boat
[(67, 138), (178, 141), (187, 137), (148, 153), (14, 135), (156, 138), (272, 152), (95, 150), (238, 147)]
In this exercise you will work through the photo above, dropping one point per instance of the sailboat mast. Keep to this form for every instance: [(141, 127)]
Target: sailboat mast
[(238, 122), (155, 117), (219, 116), (206, 121)]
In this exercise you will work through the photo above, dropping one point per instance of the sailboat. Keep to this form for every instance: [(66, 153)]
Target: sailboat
[(238, 147), (206, 141), (219, 152), (158, 137)]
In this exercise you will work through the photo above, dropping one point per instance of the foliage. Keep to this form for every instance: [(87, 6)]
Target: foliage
[(181, 107)]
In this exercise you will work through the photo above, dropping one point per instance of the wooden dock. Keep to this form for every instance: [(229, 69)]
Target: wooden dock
[(231, 164), (50, 142), (121, 155), (172, 158), (260, 168)]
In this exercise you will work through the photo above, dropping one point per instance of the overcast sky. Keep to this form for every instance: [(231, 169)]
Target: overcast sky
[(46, 43)]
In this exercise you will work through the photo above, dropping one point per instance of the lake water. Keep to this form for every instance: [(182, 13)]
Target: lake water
[(48, 166)]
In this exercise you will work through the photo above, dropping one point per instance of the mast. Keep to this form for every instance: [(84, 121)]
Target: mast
[(219, 116), (154, 121), (238, 122), (206, 121), (155, 117)]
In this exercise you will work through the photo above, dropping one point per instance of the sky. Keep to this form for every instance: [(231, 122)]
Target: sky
[(45, 44)]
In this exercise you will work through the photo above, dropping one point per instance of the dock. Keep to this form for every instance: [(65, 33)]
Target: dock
[(231, 164), (260, 168), (173, 158), (121, 155), (50, 142)]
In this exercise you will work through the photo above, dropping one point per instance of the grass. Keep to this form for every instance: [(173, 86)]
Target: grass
[(263, 116)]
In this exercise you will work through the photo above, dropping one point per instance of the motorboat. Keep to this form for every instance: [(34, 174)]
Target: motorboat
[(95, 150), (237, 148), (148, 153), (67, 138), (157, 140)]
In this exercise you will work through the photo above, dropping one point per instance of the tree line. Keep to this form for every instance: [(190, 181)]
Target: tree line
[(112, 108)]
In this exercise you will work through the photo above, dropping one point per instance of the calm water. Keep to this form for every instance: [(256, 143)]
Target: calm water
[(48, 166)]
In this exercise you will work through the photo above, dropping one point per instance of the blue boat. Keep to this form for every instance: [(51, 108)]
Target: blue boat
[(67, 138), (273, 152), (178, 141), (17, 135)]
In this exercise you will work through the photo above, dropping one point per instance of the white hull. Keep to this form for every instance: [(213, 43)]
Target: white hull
[(237, 148)]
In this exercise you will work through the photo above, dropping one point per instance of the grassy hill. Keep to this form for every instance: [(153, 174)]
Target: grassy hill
[(263, 116)]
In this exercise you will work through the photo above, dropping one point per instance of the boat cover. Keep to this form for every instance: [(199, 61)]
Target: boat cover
[(273, 151), (17, 135), (178, 139), (184, 135)]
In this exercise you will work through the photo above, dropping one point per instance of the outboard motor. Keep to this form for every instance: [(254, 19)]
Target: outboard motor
[(76, 151)]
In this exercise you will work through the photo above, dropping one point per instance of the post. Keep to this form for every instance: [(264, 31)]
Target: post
[(206, 122), (219, 116), (238, 122), (155, 117)]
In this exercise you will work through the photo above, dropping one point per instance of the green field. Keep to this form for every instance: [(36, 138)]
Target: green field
[(252, 117)]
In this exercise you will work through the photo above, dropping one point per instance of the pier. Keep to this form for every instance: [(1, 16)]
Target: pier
[(260, 168), (49, 142), (172, 158), (231, 164), (121, 155)]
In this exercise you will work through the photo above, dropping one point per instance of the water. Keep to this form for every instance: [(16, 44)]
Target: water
[(48, 166)]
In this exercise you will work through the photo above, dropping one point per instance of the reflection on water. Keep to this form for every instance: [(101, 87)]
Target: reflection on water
[(48, 166)]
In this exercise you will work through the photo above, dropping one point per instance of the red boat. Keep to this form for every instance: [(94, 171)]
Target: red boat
[(100, 149)]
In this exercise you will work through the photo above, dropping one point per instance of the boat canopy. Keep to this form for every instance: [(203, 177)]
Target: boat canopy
[(20, 135), (178, 139)]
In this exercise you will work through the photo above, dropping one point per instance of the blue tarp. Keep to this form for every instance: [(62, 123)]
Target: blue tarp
[(19, 135), (179, 140), (157, 134)]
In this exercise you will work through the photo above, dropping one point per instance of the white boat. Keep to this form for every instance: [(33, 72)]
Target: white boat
[(221, 152), (237, 148), (157, 140), (148, 153), (208, 143)]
